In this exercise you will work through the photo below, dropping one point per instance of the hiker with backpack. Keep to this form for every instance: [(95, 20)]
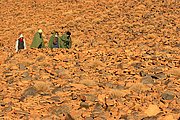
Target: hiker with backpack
[(20, 43), (38, 41), (54, 41), (66, 40)]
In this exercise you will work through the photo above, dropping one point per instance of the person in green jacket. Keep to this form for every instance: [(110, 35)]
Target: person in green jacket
[(66, 40), (54, 41), (38, 41)]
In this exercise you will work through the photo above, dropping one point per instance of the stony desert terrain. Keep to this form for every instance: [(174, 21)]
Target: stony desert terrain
[(124, 63)]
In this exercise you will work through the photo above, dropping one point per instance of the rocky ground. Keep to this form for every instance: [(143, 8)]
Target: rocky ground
[(124, 63)]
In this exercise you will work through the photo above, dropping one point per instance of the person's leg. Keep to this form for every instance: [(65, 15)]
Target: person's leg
[(40, 46)]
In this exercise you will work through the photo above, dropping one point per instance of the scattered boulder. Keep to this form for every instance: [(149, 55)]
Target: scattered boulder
[(152, 110), (91, 97), (25, 74), (31, 91), (136, 65), (22, 66), (89, 118), (7, 109), (55, 98), (147, 80), (69, 117), (88, 83), (168, 95), (40, 58), (58, 110), (124, 56), (84, 105), (56, 89), (10, 81), (177, 45), (8, 74), (150, 118), (43, 86), (142, 73), (120, 87), (161, 75), (98, 111)]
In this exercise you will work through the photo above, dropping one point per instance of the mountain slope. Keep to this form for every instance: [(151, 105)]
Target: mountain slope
[(124, 63)]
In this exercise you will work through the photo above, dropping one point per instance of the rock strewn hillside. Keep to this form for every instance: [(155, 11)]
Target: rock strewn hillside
[(124, 63)]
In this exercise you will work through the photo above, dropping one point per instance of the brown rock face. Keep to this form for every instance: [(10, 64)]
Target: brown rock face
[(124, 61)]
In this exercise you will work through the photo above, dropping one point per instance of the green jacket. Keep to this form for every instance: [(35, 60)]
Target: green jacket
[(50, 45), (37, 41), (65, 41)]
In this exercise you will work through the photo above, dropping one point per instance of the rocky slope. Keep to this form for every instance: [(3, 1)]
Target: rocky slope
[(124, 63)]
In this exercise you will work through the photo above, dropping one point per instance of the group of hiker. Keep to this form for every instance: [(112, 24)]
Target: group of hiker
[(55, 41)]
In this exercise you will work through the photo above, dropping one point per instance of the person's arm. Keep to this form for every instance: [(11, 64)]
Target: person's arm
[(70, 43), (16, 47), (62, 41), (43, 45), (50, 44)]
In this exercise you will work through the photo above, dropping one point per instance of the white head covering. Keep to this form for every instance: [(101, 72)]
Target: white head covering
[(21, 36), (56, 35), (40, 31)]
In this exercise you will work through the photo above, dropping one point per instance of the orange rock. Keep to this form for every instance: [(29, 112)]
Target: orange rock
[(113, 41), (167, 117), (152, 110)]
